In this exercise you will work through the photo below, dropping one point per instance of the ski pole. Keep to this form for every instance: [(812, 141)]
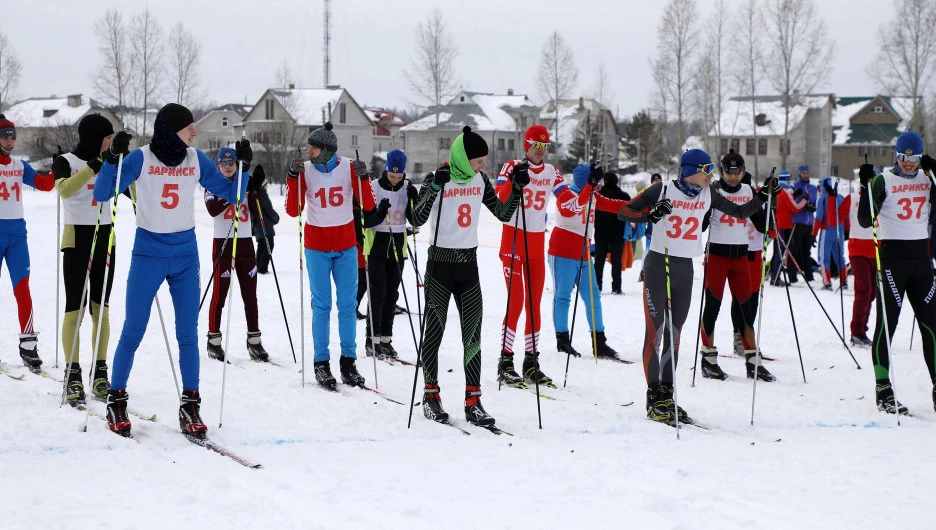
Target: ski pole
[(669, 320), (799, 351), (299, 192), (370, 306), (760, 297), (419, 281), (840, 258), (230, 304), (279, 293), (705, 266), (399, 262), (58, 272), (513, 254), (530, 313), (578, 282), (214, 267)]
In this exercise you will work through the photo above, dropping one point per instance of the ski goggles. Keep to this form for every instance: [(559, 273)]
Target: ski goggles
[(539, 145), (708, 169), (902, 157), (227, 163), (733, 170)]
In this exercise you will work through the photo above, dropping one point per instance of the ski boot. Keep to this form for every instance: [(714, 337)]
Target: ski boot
[(861, 340), (432, 404), (29, 352), (666, 396), (658, 407), (532, 372), (189, 414), (349, 373), (762, 373), (827, 287), (324, 377), (369, 349), (738, 345), (215, 348), (99, 381), (603, 349), (506, 373), (386, 348), (399, 310), (564, 344), (474, 412), (117, 420), (74, 388), (710, 368), (255, 347), (886, 402)]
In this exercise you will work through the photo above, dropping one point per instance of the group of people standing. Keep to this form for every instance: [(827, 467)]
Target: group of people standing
[(348, 215)]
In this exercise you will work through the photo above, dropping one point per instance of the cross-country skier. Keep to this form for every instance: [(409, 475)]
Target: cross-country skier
[(801, 240), (75, 176), (245, 264), (648, 234), (832, 226), (756, 228), (863, 265), (902, 198), (609, 234), (789, 203), (270, 218), (566, 242), (328, 186), (164, 249), (684, 204), (14, 173), (451, 199)]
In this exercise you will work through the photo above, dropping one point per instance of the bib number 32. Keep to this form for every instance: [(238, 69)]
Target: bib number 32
[(683, 228)]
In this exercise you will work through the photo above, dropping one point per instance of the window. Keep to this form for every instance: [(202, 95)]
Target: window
[(879, 150), (835, 171), (723, 145), (354, 141), (268, 109), (762, 146), (224, 121), (445, 143), (511, 144), (749, 146), (877, 109), (501, 144), (863, 150), (736, 145), (822, 160), (418, 168), (342, 113)]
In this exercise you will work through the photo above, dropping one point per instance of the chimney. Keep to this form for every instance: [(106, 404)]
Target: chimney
[(581, 103), (509, 91), (292, 86), (74, 100)]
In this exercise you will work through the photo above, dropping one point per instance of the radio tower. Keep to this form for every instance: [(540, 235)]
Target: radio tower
[(327, 33)]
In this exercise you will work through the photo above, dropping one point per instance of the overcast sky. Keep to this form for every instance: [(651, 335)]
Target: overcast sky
[(245, 41)]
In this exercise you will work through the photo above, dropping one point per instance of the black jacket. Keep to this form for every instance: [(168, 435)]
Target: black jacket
[(607, 226), (270, 217)]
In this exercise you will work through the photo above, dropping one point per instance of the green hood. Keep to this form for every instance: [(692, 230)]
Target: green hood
[(460, 167)]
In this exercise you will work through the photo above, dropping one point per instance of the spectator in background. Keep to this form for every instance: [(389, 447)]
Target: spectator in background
[(802, 240), (270, 218), (609, 234)]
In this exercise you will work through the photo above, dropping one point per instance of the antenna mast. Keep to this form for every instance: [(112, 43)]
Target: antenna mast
[(327, 48)]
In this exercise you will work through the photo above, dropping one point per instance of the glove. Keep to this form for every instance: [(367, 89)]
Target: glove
[(771, 187), (809, 208), (797, 193), (256, 179), (442, 176), (295, 167), (520, 175), (412, 193), (812, 241), (383, 207), (243, 152), (830, 191), (120, 145), (96, 163), (846, 235), (661, 209), (360, 169), (866, 173), (595, 174), (928, 163)]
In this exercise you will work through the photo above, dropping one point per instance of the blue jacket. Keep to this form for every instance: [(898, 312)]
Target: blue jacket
[(803, 217)]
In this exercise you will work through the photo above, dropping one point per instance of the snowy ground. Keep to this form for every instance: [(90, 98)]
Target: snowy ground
[(820, 456)]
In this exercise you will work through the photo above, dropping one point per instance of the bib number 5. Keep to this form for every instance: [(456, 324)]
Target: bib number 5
[(171, 194)]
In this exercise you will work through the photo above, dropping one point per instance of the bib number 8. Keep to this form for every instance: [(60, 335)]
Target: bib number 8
[(464, 215)]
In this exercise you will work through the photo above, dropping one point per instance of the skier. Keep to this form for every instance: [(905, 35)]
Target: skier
[(269, 219), (545, 180), (863, 265), (684, 203), (245, 264), (164, 249), (14, 173), (566, 263), (328, 186), (452, 198), (385, 248), (789, 203), (902, 198), (609, 234), (75, 176), (727, 261), (801, 239), (742, 315), (648, 233), (833, 222)]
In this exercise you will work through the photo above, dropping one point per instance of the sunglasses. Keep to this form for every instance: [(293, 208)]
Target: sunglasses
[(539, 145), (708, 169), (228, 163), (901, 157)]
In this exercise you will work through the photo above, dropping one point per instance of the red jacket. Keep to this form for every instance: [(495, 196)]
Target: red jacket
[(566, 244), (786, 207)]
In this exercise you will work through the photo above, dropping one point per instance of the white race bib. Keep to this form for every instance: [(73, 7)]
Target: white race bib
[(81, 208), (397, 212), (329, 197), (166, 195), (681, 230), (906, 210), (728, 230), (458, 222), (11, 190)]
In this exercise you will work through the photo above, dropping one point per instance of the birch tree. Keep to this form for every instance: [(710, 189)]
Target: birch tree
[(433, 73), (676, 42), (557, 75), (184, 57), (10, 70), (112, 79), (146, 61)]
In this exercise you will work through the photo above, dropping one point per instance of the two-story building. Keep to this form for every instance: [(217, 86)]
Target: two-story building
[(586, 128), (220, 127), (868, 126)]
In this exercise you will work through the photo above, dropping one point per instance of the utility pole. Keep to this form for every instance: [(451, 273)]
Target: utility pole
[(327, 47)]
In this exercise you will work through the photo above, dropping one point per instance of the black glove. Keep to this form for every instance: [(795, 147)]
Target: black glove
[(797, 193), (661, 209), (243, 152), (120, 145), (846, 235), (771, 187), (295, 167), (360, 169), (383, 207), (96, 163), (595, 174), (809, 208), (442, 176), (866, 173), (812, 241), (256, 179), (412, 193), (520, 175), (706, 220), (830, 191), (928, 163)]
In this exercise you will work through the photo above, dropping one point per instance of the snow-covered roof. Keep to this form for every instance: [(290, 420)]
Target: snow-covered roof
[(133, 119), (240, 108), (737, 120), (308, 106), (380, 115), (50, 112), (483, 112), (847, 133)]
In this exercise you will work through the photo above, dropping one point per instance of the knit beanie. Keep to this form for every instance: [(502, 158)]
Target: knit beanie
[(784, 177), (536, 133), (227, 154), (908, 143), (324, 139), (610, 179), (475, 146), (580, 177), (92, 129), (691, 161), (396, 162), (803, 168), (732, 162), (656, 177), (6, 127), (175, 116)]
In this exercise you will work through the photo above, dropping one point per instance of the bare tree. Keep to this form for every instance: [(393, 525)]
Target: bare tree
[(661, 100), (747, 50), (904, 63), (146, 61), (557, 75), (712, 71), (184, 56), (10, 69), (433, 79), (112, 79), (799, 55), (676, 42), (284, 76), (602, 90)]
